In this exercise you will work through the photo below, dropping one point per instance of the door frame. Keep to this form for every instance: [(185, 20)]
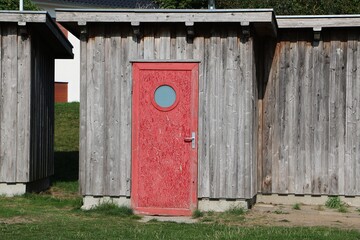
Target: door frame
[(137, 66)]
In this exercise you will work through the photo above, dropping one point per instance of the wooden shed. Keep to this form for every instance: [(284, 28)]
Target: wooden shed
[(211, 109), (30, 41)]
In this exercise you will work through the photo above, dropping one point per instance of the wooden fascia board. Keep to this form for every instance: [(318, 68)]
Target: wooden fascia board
[(325, 21), (84, 16), (112, 16), (60, 38), (23, 17)]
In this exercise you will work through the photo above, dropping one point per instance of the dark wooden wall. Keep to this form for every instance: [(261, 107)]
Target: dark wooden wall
[(42, 110), (227, 104), (311, 114)]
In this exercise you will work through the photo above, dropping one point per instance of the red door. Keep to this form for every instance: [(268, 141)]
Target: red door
[(164, 138)]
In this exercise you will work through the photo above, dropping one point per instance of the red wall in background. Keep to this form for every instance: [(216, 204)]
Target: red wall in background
[(61, 91)]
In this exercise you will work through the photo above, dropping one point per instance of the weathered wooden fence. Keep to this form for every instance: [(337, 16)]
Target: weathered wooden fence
[(311, 114)]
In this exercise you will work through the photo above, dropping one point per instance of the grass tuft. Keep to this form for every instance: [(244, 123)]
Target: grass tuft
[(296, 206), (111, 209), (336, 203), (197, 214), (279, 211), (236, 211), (333, 202), (343, 209)]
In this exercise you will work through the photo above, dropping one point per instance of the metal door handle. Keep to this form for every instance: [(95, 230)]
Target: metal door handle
[(191, 139)]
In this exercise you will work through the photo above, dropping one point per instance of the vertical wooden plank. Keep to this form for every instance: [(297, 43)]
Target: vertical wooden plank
[(149, 42), (324, 116), (130, 49), (275, 146), (165, 42), (203, 137), (292, 105), (241, 108), (9, 103), (231, 115), (315, 113), (248, 120), (220, 112), (96, 115), (268, 120), (88, 83), (126, 109), (180, 43), (350, 121), (333, 142), (212, 61), (284, 119), (341, 108), (109, 104), (23, 108), (255, 119), (2, 161), (299, 164), (83, 160), (357, 109)]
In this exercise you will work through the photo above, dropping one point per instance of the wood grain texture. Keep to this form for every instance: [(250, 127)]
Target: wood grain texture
[(8, 103), (83, 111), (310, 115), (227, 122), (42, 111), (23, 108)]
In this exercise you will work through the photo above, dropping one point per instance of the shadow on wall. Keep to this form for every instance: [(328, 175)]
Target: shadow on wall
[(66, 166)]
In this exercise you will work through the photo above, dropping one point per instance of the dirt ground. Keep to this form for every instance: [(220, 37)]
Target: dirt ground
[(285, 215)]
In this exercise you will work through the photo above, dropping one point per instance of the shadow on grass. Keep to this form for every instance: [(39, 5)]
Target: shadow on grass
[(66, 166)]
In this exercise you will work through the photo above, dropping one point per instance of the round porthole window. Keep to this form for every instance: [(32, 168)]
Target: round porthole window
[(165, 96)]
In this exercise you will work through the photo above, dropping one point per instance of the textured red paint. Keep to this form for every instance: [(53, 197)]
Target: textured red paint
[(164, 166)]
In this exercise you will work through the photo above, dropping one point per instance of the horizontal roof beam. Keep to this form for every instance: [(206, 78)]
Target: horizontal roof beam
[(321, 21)]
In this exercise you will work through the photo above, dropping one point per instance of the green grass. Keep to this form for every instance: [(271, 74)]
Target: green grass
[(56, 214), (333, 202), (336, 203), (197, 214), (67, 127), (66, 141), (43, 216), (279, 211), (296, 206)]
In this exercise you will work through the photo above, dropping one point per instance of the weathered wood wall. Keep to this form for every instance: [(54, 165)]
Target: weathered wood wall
[(311, 126), (26, 105), (227, 104), (42, 110), (14, 104)]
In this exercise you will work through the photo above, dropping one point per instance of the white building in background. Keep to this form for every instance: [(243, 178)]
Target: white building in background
[(69, 70)]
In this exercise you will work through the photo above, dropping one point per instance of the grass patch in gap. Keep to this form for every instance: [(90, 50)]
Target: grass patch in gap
[(71, 187), (235, 211), (336, 203), (67, 127), (296, 206), (333, 202), (48, 200), (111, 209), (197, 214)]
